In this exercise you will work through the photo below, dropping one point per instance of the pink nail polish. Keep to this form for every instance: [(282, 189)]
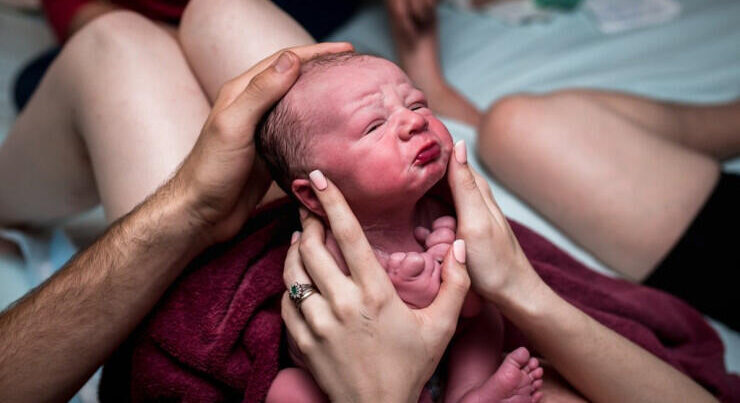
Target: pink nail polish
[(318, 179), (458, 250), (296, 235), (461, 152)]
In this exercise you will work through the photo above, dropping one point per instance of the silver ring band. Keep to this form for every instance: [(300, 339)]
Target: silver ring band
[(299, 292)]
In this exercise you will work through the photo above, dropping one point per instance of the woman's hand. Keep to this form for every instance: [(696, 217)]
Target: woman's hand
[(498, 269), (361, 342), (412, 16), (222, 178)]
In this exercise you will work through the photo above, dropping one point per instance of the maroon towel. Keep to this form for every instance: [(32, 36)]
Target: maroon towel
[(216, 334)]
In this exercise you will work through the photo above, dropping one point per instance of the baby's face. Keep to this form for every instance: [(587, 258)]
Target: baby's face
[(373, 133)]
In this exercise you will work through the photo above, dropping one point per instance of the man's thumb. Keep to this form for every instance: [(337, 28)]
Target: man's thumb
[(267, 87)]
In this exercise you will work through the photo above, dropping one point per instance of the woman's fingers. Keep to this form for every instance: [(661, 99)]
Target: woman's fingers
[(296, 324), (465, 191), (445, 309), (315, 308), (360, 258), (318, 261)]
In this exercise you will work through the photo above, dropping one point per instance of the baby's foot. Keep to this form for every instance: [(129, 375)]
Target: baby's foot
[(517, 380), (437, 241)]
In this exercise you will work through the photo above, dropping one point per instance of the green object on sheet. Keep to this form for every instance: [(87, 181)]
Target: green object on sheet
[(559, 4)]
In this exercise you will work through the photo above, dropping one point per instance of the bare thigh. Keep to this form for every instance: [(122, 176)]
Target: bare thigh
[(224, 38), (113, 118), (620, 191)]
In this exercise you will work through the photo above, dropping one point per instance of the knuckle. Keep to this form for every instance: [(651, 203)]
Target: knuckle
[(304, 344), (374, 298), (343, 308), (322, 326)]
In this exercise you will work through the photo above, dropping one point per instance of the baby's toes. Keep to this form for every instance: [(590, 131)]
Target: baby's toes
[(446, 221), (441, 235), (421, 234), (394, 262), (412, 265), (439, 251)]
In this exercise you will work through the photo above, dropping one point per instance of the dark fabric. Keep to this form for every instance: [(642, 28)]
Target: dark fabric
[(216, 333), (702, 266), (30, 77)]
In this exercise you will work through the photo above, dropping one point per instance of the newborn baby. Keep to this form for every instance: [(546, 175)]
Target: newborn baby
[(360, 120)]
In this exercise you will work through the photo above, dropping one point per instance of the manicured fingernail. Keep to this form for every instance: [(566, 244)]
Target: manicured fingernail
[(302, 212), (296, 235), (461, 153), (318, 179), (283, 63), (458, 250)]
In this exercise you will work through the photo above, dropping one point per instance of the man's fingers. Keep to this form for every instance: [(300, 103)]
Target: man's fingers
[(357, 252), (263, 91), (445, 309), (231, 90), (469, 203), (310, 51)]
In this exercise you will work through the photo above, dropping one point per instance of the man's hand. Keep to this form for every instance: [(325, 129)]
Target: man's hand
[(222, 177), (55, 337)]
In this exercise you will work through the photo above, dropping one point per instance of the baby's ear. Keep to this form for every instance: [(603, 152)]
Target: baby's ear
[(301, 188)]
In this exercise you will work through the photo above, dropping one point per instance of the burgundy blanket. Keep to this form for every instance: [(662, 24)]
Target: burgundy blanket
[(216, 334)]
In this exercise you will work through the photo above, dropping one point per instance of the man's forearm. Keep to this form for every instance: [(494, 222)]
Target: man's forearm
[(45, 338)]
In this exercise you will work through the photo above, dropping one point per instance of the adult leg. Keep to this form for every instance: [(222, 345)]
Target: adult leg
[(613, 186), (710, 129), (223, 38), (419, 57), (114, 116)]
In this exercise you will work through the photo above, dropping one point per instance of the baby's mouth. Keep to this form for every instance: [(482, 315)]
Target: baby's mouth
[(427, 154)]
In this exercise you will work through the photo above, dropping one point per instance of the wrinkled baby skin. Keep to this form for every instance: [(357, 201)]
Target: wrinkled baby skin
[(416, 275), (372, 133)]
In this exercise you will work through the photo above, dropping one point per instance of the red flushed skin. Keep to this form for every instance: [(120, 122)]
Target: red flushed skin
[(373, 134)]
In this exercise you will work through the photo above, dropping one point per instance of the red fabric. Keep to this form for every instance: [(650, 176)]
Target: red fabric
[(59, 13), (216, 334)]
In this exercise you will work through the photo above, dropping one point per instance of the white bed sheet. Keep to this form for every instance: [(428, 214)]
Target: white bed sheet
[(695, 58)]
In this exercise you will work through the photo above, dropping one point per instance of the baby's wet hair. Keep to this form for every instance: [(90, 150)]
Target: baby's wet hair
[(281, 138)]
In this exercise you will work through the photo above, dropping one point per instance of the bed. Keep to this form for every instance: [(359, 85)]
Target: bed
[(695, 58)]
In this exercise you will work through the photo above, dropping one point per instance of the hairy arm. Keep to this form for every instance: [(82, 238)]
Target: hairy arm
[(46, 348)]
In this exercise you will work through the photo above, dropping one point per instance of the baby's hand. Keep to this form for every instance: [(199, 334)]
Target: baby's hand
[(439, 239)]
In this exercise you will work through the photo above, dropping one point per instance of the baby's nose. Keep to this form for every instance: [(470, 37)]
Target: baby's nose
[(411, 123)]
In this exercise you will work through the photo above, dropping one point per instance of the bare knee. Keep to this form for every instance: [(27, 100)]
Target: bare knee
[(117, 35), (508, 125), (520, 123)]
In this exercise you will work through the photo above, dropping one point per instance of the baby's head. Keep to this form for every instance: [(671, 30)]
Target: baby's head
[(360, 120)]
